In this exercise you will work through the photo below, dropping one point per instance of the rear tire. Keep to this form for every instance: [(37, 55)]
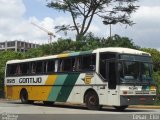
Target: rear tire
[(24, 96), (92, 101), (120, 108)]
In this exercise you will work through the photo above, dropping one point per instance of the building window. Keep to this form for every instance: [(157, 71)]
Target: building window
[(11, 44)]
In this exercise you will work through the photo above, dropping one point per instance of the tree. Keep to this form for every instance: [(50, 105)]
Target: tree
[(35, 52), (118, 41), (63, 45), (83, 12), (155, 57), (156, 64), (4, 57)]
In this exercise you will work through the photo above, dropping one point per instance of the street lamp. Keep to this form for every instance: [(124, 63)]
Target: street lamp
[(110, 22)]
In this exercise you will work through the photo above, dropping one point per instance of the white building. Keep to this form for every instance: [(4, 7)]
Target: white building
[(18, 46)]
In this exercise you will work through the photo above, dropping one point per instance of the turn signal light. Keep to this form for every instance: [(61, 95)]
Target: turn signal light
[(125, 92)]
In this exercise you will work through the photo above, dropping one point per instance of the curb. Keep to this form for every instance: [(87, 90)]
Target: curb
[(144, 107), (82, 105)]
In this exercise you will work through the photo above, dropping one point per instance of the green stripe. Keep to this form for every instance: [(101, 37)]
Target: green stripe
[(67, 88), (85, 52), (56, 89), (74, 54), (80, 53)]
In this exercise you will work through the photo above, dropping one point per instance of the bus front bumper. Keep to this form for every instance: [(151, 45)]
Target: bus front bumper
[(137, 100)]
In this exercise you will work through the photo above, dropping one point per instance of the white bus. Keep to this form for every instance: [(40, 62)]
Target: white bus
[(111, 76)]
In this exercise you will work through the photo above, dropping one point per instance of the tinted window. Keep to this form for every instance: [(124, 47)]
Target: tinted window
[(103, 58), (25, 68), (66, 64), (37, 67), (11, 69), (50, 66), (85, 63)]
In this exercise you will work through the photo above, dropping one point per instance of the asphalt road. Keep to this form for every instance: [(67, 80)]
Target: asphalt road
[(14, 110)]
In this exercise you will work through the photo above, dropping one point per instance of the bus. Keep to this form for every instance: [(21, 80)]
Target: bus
[(112, 76)]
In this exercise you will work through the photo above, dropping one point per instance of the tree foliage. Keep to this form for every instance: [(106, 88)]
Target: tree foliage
[(155, 57), (83, 12), (156, 64), (4, 57), (118, 41), (89, 42)]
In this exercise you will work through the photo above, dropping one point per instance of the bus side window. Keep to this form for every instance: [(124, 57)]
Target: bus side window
[(39, 67), (66, 65), (88, 63), (25, 68), (33, 68), (77, 64), (11, 69), (18, 70), (50, 66)]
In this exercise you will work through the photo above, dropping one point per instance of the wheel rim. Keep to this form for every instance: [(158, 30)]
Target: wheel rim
[(92, 100)]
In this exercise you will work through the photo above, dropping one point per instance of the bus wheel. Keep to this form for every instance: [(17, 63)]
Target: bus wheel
[(120, 108), (48, 102), (24, 96), (92, 101)]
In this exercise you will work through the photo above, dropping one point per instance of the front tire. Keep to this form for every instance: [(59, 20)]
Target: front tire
[(92, 101)]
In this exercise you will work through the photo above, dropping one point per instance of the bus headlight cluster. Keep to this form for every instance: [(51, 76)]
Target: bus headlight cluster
[(127, 92)]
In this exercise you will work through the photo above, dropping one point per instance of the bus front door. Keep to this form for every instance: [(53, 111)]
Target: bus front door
[(112, 82)]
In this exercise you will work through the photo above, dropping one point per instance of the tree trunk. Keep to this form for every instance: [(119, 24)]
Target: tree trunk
[(79, 37)]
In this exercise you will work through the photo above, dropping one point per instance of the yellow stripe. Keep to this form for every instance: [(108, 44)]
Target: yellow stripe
[(51, 80), (63, 55), (34, 92)]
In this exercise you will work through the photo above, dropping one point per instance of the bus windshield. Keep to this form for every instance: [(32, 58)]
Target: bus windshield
[(135, 69)]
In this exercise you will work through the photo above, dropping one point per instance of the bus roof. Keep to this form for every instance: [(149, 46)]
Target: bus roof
[(122, 50), (109, 49)]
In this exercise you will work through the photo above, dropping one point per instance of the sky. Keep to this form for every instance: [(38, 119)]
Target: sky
[(16, 17)]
